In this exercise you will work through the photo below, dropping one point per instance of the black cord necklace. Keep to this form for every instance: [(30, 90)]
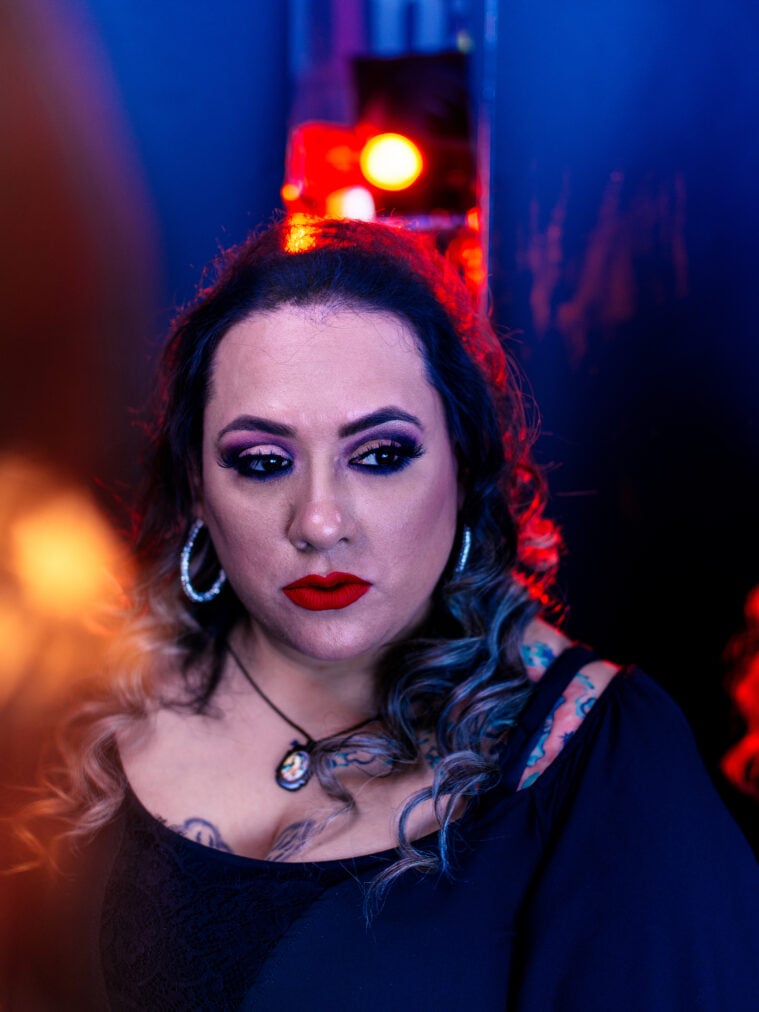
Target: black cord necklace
[(294, 771)]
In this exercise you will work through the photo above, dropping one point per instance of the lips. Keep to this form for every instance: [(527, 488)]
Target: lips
[(324, 593)]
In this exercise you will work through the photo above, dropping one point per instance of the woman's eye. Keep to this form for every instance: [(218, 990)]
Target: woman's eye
[(259, 466), (387, 457)]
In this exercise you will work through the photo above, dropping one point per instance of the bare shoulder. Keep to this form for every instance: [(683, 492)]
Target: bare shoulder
[(543, 643), (154, 747), (145, 743)]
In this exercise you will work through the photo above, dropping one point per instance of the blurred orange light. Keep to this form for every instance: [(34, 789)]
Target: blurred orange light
[(391, 161), (473, 262), (290, 192), (61, 552)]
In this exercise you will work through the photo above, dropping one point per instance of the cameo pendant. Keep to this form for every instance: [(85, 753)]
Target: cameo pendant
[(294, 771)]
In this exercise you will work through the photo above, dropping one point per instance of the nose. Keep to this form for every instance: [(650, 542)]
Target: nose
[(320, 521)]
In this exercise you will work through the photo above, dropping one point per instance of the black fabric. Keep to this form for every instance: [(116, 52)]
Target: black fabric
[(616, 881), (232, 913)]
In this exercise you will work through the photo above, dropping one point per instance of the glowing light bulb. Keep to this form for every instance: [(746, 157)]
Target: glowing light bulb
[(391, 161), (351, 202)]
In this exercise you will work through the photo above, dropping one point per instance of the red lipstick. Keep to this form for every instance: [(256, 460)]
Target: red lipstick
[(323, 593)]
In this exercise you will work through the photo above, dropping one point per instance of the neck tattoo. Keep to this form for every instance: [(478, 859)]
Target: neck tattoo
[(294, 771)]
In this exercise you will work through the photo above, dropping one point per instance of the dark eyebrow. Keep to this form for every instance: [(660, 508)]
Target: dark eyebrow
[(251, 423), (379, 417)]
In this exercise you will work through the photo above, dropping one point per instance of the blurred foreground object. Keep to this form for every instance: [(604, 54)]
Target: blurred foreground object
[(741, 764), (58, 560), (79, 260)]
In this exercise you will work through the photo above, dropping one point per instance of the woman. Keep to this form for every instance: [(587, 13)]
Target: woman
[(348, 764)]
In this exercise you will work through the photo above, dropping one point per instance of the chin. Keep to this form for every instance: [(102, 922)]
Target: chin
[(337, 649), (337, 645), (340, 636)]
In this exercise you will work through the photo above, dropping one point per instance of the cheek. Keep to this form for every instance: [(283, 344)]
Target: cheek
[(424, 529), (435, 511), (238, 533)]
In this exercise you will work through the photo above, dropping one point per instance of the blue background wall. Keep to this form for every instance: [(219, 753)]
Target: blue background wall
[(205, 88), (651, 423)]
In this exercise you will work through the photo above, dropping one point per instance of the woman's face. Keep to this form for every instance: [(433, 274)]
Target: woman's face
[(326, 454)]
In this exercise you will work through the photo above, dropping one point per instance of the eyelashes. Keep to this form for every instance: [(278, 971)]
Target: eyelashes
[(256, 464), (383, 456), (388, 456)]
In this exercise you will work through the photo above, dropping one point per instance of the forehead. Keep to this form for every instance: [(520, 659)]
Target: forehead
[(344, 361)]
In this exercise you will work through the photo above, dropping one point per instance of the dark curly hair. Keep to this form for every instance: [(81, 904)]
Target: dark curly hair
[(461, 675)]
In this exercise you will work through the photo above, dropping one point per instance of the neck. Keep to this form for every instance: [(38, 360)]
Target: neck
[(322, 696)]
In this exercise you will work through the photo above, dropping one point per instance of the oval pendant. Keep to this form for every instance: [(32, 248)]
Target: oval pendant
[(294, 771)]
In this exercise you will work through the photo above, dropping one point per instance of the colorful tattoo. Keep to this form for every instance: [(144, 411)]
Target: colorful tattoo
[(358, 757), (202, 831), (537, 655), (351, 757), (430, 754), (582, 694), (584, 702), (539, 751)]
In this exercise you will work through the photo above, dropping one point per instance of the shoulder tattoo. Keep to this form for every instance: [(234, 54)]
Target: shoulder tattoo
[(587, 695), (537, 655), (539, 750), (560, 725)]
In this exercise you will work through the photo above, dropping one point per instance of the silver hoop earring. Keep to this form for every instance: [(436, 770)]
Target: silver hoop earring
[(466, 544), (184, 570)]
